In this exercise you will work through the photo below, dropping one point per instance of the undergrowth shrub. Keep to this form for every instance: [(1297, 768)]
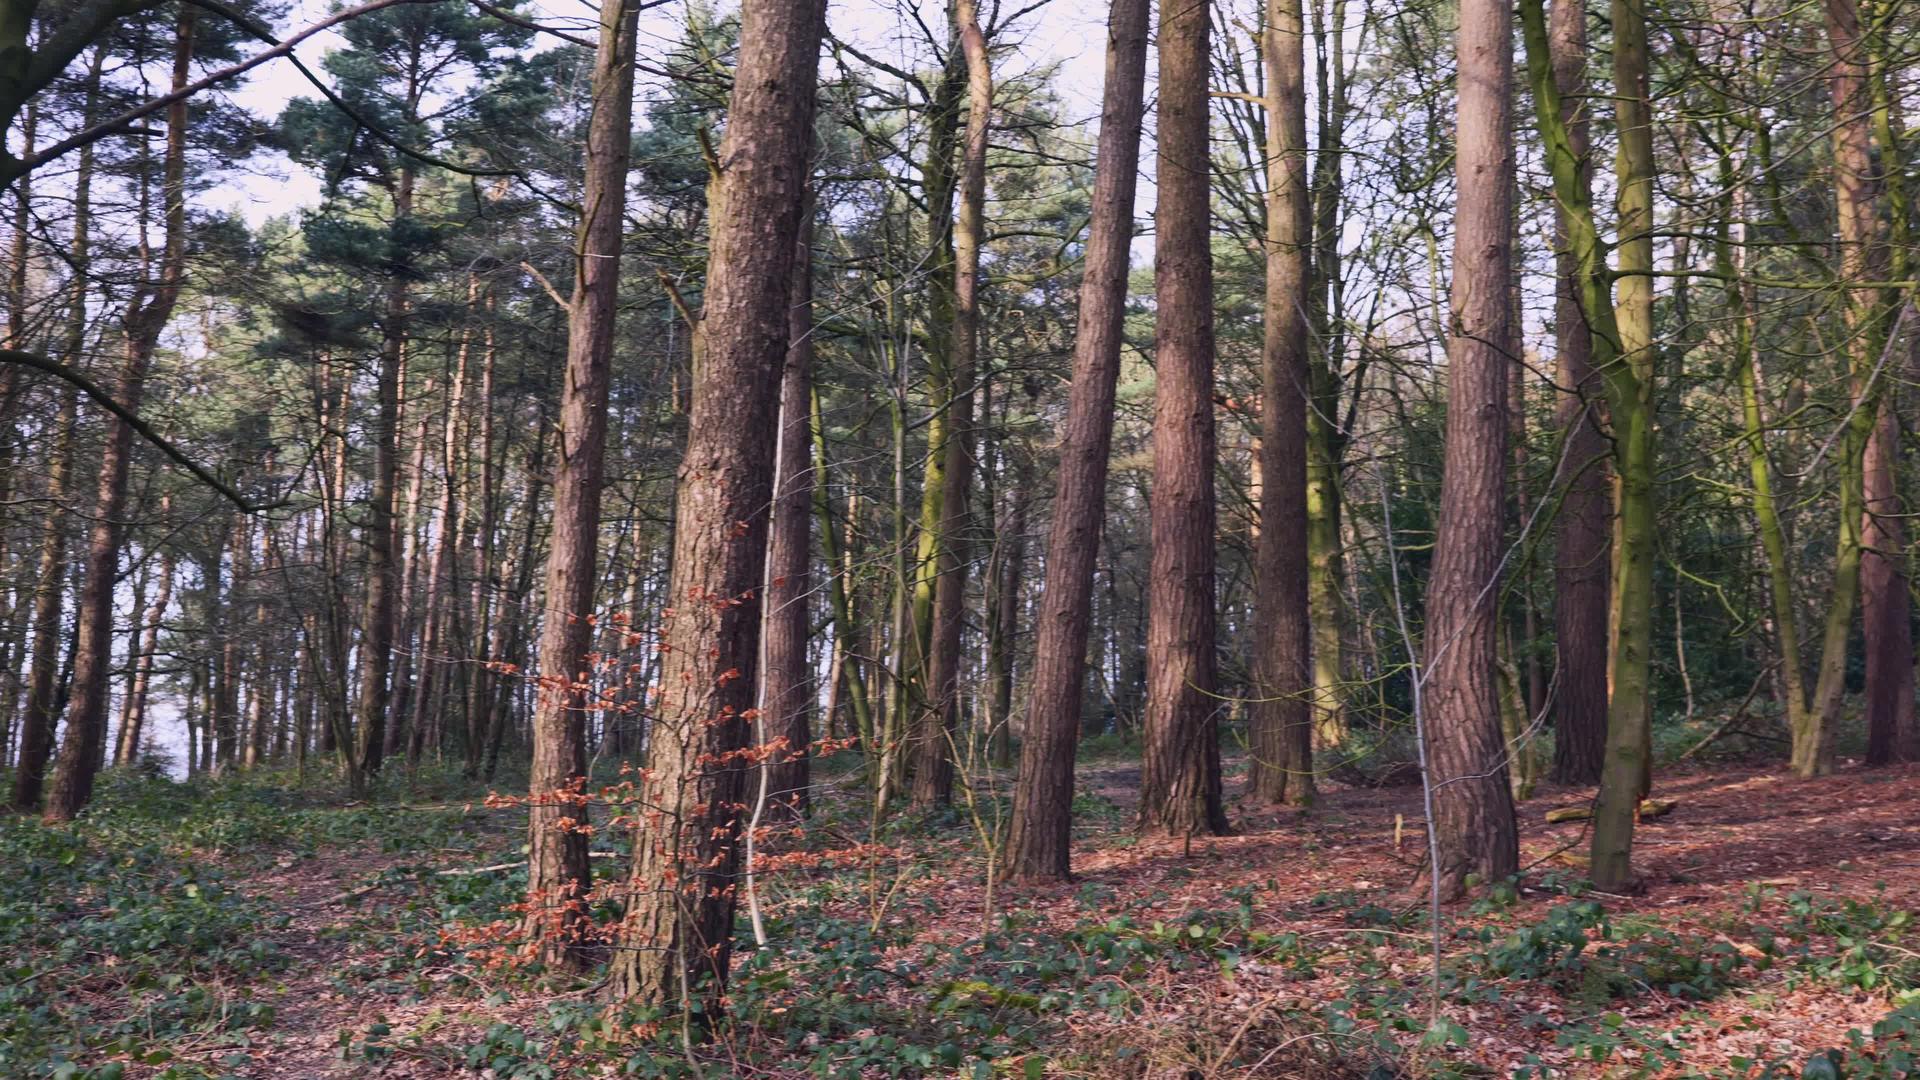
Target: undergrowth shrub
[(117, 943)]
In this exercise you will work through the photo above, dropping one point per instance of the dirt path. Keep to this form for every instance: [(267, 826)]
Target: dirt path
[(329, 995), (309, 1010)]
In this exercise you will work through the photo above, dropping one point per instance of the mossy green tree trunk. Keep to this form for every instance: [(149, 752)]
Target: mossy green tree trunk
[(1624, 374), (1626, 767), (940, 695)]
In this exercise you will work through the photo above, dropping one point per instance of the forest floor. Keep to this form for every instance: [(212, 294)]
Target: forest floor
[(260, 931)]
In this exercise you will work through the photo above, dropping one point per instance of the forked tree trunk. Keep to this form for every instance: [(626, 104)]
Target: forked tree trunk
[(145, 319), (1180, 766), (1282, 735), (559, 874), (1585, 521), (1475, 832), (1038, 843), (677, 934), (933, 775)]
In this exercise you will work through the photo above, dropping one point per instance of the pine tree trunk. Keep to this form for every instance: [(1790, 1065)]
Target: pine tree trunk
[(481, 679), (1891, 724), (221, 611), (509, 627), (1475, 832), (383, 574), (1584, 540), (49, 592), (559, 875), (1180, 767), (848, 628), (133, 730), (1867, 495), (431, 698), (1009, 577), (262, 708), (1327, 614), (1281, 769), (1039, 840), (677, 933), (41, 712), (949, 410), (146, 317), (787, 695)]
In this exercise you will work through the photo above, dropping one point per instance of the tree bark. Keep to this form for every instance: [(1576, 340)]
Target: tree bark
[(847, 626), (1041, 830), (1891, 724), (1870, 542), (146, 318), (559, 874), (221, 608), (480, 685), (49, 592), (261, 709), (42, 710), (133, 730), (1008, 576), (787, 694), (1585, 522), (1180, 767), (1475, 832), (507, 651), (933, 774), (677, 932), (383, 574), (1326, 440), (1625, 772), (1282, 737), (431, 699)]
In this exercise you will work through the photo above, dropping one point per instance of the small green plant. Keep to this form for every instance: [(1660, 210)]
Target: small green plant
[(1852, 942)]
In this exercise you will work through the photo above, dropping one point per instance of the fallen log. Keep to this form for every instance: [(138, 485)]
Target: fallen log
[(1650, 808)]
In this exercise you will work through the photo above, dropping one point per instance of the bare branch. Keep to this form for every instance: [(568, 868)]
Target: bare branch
[(105, 400)]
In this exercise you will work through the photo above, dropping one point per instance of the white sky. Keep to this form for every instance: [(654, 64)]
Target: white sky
[(1069, 32)]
